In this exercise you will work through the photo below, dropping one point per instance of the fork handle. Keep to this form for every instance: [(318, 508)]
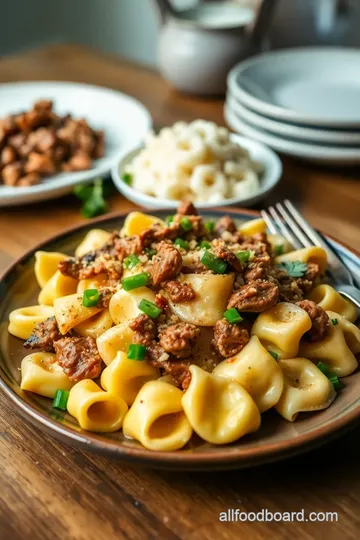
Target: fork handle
[(350, 292)]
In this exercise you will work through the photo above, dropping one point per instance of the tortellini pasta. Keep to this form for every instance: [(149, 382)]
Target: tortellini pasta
[(137, 222), (94, 409), (22, 321), (313, 254), (57, 286), (125, 377), (96, 325), (281, 327), (330, 300), (118, 338), (156, 418), (257, 371), (124, 304), (94, 239), (306, 388), (46, 264), (212, 294), (253, 226), (338, 348), (42, 375), (219, 410), (69, 312)]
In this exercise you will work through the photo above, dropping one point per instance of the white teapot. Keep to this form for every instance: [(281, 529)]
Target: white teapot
[(198, 46)]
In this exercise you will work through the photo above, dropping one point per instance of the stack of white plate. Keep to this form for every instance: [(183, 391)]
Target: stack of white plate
[(300, 102)]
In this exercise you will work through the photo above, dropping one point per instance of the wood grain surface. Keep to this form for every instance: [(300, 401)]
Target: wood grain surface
[(51, 491)]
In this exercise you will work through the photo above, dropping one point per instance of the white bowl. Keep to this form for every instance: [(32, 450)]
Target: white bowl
[(258, 151)]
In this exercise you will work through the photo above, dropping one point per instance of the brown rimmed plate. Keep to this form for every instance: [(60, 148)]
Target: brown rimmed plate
[(275, 440)]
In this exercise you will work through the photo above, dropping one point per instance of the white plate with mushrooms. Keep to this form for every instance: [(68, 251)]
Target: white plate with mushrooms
[(123, 120)]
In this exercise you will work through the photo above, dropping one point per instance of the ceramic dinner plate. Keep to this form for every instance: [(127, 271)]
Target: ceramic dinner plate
[(315, 86), (294, 131), (275, 440), (314, 152), (124, 120)]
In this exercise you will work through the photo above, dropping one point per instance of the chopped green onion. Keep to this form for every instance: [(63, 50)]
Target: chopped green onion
[(334, 321), (136, 352), (186, 224), (323, 368), (90, 297), (210, 226), (60, 399), (169, 219), (131, 261), (134, 282), (150, 309), (214, 263), (127, 178), (243, 256), (279, 249), (274, 355), (233, 316), (205, 245), (150, 252), (184, 244), (337, 384)]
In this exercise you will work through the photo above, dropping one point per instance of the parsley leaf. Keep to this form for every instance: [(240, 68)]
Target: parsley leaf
[(92, 196), (294, 268)]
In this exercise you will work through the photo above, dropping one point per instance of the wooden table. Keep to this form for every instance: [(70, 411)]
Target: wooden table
[(48, 490)]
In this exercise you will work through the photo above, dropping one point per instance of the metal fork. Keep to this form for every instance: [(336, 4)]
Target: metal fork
[(285, 219)]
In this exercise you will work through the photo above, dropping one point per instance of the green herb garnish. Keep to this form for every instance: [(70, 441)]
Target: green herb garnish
[(323, 368), (243, 256), (127, 178), (294, 268), (334, 379), (274, 355), (169, 219), (214, 263), (93, 197), (150, 252), (233, 316), (205, 245), (186, 224), (90, 298), (334, 321), (279, 249), (149, 308), (136, 352), (184, 244), (210, 226), (61, 399), (134, 282), (131, 261)]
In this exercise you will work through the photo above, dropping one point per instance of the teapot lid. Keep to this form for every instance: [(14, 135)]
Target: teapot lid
[(217, 15)]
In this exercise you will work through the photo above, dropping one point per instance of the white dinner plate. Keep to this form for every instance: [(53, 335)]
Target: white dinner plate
[(258, 152), (317, 153), (295, 131), (315, 86), (124, 120)]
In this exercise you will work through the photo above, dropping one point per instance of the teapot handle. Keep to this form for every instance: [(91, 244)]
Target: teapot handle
[(265, 12), (164, 9)]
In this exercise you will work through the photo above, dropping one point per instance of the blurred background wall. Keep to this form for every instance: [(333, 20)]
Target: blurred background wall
[(130, 27)]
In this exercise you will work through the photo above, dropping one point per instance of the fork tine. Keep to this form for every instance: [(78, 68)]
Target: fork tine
[(291, 223), (284, 230), (269, 223), (312, 234)]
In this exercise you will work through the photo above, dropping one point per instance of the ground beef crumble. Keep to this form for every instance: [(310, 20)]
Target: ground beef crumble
[(144, 329), (229, 339), (179, 292), (319, 319), (179, 339), (79, 357), (44, 335)]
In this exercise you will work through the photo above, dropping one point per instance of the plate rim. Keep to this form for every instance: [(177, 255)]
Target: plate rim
[(276, 111), (299, 149), (223, 458), (305, 134)]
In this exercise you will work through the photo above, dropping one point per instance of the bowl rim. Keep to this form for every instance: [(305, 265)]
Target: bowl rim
[(134, 194), (206, 460)]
